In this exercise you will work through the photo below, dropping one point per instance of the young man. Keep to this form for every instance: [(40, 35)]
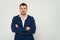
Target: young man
[(23, 25)]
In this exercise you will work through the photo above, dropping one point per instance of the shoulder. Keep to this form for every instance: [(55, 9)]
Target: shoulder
[(15, 16), (31, 17)]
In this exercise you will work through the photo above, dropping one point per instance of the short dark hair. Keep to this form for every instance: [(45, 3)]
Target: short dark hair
[(23, 4)]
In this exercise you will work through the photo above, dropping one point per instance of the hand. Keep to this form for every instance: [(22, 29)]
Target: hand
[(27, 28), (17, 26)]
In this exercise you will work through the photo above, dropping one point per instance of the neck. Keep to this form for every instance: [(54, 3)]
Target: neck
[(23, 15)]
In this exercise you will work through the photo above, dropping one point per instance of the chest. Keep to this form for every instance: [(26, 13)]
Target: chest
[(27, 22)]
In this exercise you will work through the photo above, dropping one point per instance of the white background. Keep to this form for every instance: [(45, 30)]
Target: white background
[(45, 12)]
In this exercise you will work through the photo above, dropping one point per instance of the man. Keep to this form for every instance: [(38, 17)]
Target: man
[(23, 25)]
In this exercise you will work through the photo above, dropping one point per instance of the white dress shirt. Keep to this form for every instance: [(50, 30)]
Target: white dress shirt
[(23, 21)]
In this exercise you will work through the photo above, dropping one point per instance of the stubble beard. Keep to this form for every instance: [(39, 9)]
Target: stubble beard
[(23, 13)]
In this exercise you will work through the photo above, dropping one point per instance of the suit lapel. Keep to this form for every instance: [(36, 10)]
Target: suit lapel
[(20, 21)]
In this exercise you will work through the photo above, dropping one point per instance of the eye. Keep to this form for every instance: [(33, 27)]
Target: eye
[(21, 8)]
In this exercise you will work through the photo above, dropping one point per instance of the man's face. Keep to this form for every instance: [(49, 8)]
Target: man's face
[(23, 10)]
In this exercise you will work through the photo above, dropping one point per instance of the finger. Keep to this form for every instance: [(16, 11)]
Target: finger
[(16, 25)]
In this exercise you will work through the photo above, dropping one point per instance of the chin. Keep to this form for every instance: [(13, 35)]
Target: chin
[(23, 13)]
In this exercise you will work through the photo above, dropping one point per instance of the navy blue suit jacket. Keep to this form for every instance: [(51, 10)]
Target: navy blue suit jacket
[(21, 33)]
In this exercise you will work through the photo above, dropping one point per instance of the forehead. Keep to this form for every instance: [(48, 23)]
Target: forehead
[(23, 6)]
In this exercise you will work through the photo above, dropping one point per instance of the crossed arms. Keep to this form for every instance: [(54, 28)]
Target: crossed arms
[(28, 30)]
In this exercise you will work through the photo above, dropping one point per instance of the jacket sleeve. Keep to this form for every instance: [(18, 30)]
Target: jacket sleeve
[(13, 27), (33, 28)]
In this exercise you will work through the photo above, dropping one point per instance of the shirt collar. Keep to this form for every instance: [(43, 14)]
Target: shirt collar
[(24, 18)]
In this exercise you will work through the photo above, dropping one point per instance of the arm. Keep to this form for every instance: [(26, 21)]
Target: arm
[(14, 28), (32, 28)]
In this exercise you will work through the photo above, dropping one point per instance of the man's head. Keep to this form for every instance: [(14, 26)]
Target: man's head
[(23, 8)]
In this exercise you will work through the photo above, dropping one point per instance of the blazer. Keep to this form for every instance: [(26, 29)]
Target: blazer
[(21, 33)]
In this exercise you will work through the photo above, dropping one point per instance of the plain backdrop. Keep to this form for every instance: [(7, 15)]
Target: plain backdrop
[(45, 12)]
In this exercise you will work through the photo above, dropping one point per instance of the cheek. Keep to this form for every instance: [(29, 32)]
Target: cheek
[(20, 10), (25, 10)]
